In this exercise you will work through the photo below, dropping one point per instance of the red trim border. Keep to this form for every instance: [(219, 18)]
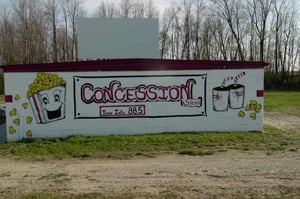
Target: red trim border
[(260, 93), (9, 98), (133, 65)]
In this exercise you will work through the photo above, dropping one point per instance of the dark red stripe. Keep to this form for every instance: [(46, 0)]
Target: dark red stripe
[(133, 65)]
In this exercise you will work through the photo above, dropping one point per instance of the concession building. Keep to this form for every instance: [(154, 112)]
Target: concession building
[(132, 96)]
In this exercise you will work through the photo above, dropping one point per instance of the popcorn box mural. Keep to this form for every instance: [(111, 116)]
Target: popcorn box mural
[(132, 96), (47, 97)]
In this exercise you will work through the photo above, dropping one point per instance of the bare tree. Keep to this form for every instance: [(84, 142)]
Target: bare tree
[(65, 45), (259, 11), (7, 37), (73, 9), (138, 9), (125, 7), (286, 38), (52, 12), (151, 10), (176, 38), (30, 31), (197, 28), (106, 10), (187, 27), (278, 9), (231, 12), (168, 17), (220, 34)]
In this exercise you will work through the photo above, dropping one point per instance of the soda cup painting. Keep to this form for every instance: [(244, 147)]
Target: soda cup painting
[(231, 96), (220, 98), (236, 96), (47, 98)]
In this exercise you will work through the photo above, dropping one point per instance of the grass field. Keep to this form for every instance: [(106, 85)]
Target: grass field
[(120, 147), (287, 102), (123, 147)]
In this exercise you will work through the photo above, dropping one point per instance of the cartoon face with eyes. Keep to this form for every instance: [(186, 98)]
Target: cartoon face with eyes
[(52, 103), (49, 105), (47, 97)]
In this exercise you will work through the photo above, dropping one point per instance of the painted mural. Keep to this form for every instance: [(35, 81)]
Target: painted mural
[(232, 96), (45, 98), (60, 104), (252, 108), (15, 116)]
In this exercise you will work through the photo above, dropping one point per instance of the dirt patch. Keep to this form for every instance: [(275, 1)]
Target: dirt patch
[(230, 174), (282, 120)]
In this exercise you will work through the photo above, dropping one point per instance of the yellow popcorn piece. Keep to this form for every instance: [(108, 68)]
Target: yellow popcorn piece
[(253, 116), (13, 112), (12, 130), (252, 107), (44, 81), (241, 114), (258, 108), (17, 121), (28, 120), (247, 108), (29, 133), (17, 97), (25, 105), (253, 102)]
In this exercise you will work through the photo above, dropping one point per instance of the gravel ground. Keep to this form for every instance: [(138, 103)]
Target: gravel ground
[(281, 120)]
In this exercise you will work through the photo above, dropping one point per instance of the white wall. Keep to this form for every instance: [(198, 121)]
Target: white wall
[(117, 38), (215, 109)]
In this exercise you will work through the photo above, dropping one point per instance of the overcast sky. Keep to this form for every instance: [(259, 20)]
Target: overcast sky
[(91, 5)]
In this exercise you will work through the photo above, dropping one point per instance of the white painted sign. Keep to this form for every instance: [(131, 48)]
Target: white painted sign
[(149, 96), (90, 98)]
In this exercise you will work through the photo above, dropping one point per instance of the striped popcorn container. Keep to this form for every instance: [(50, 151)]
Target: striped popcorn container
[(47, 98)]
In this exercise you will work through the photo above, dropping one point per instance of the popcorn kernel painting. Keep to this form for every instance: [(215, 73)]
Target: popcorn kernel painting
[(254, 108), (47, 97), (13, 112), (17, 121), (17, 97), (25, 105), (241, 114), (12, 130), (29, 133), (28, 120)]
